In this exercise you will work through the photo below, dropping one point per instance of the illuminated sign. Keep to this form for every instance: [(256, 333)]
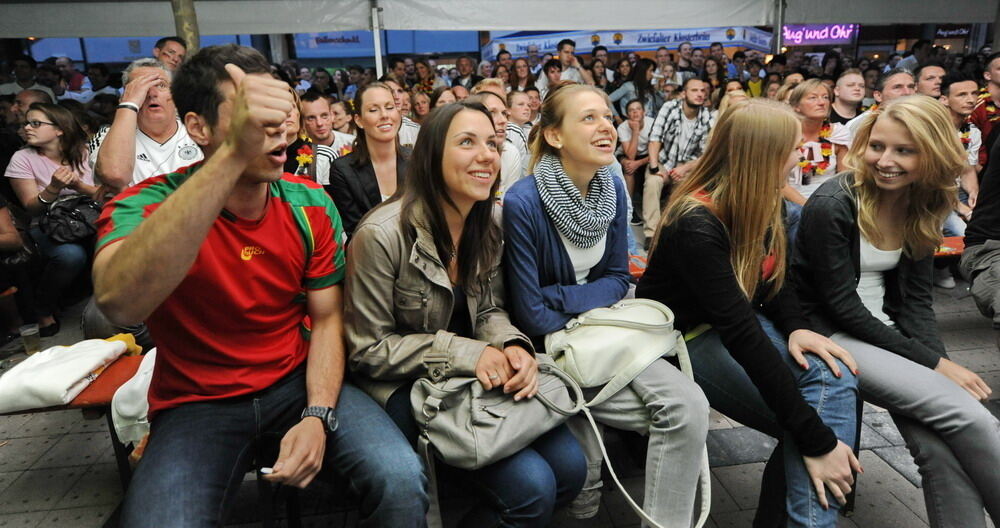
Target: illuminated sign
[(820, 34)]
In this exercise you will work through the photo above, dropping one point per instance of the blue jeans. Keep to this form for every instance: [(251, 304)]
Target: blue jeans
[(793, 213), (199, 452), (731, 392), (63, 264), (521, 490)]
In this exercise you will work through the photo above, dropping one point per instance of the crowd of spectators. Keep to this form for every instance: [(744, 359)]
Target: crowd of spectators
[(354, 132)]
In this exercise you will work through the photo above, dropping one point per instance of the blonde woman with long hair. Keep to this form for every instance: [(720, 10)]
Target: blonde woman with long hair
[(863, 265), (565, 234), (719, 262)]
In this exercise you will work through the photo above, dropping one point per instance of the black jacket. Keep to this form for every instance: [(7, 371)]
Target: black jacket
[(692, 274), (354, 188), (826, 268)]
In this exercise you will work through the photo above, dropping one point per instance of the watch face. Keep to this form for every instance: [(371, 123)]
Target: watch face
[(331, 422)]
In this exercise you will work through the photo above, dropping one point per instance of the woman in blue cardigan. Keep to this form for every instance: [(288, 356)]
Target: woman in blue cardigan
[(565, 233)]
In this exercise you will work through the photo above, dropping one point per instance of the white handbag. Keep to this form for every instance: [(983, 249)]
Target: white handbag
[(610, 347)]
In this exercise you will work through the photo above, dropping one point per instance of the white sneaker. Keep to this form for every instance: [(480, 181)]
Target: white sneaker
[(586, 504), (943, 279)]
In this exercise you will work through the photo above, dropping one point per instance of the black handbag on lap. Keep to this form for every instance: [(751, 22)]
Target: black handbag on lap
[(71, 218)]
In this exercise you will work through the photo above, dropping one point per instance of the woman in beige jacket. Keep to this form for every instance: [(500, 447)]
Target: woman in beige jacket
[(425, 299)]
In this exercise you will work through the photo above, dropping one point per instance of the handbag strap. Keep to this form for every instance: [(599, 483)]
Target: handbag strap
[(704, 480), (704, 484), (549, 367), (623, 377)]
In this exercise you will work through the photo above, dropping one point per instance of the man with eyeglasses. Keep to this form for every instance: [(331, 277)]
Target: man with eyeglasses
[(146, 138)]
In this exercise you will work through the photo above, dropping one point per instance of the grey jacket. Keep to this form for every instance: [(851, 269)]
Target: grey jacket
[(398, 305)]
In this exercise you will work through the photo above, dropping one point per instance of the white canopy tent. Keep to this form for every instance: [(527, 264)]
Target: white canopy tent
[(135, 18), (109, 18)]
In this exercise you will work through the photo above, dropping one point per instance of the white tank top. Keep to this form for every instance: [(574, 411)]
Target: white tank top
[(871, 286)]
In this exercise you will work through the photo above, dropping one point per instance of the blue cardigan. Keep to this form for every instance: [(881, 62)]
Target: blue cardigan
[(541, 283)]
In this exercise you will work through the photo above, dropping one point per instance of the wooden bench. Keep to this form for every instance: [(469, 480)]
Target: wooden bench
[(95, 400)]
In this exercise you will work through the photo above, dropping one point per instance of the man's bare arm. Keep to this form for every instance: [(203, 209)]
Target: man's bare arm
[(116, 158), (132, 277)]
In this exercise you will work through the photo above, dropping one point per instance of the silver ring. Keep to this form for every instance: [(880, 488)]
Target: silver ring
[(494, 376)]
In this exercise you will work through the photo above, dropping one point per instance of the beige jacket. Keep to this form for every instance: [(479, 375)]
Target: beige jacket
[(398, 305)]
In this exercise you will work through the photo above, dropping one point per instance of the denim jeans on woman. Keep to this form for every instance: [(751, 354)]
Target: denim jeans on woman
[(731, 392), (953, 438), (199, 452), (63, 264), (521, 490), (665, 405)]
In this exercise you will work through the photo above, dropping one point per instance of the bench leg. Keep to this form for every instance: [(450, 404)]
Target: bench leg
[(121, 452)]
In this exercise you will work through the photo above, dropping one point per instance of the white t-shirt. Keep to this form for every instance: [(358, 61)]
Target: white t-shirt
[(511, 170), (625, 135), (584, 259), (408, 132), (853, 125), (975, 143), (871, 285), (812, 151), (12, 88), (687, 130), (151, 157)]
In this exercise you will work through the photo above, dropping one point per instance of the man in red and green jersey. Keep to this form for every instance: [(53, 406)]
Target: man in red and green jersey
[(226, 261), (986, 115)]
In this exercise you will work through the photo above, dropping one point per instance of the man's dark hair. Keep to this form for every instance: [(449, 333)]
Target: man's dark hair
[(714, 44), (503, 52), (32, 62), (916, 72), (920, 44), (531, 88), (990, 58), (552, 64), (564, 42), (311, 96), (195, 87), (739, 55), (688, 81), (394, 61), (598, 48), (101, 67), (884, 78), (662, 48), (49, 68), (355, 68), (163, 41), (756, 63), (955, 77), (779, 59)]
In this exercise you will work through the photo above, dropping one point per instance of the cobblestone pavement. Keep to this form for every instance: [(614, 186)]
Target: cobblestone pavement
[(57, 469)]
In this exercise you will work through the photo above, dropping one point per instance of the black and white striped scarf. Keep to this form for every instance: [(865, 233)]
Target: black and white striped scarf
[(584, 221)]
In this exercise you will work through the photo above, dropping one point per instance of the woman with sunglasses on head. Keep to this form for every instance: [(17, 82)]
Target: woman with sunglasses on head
[(52, 165), (863, 265), (565, 231), (425, 300), (719, 262), (373, 171)]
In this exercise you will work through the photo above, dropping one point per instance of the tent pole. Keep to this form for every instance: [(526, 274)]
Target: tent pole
[(186, 22), (377, 35), (996, 30), (779, 27)]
